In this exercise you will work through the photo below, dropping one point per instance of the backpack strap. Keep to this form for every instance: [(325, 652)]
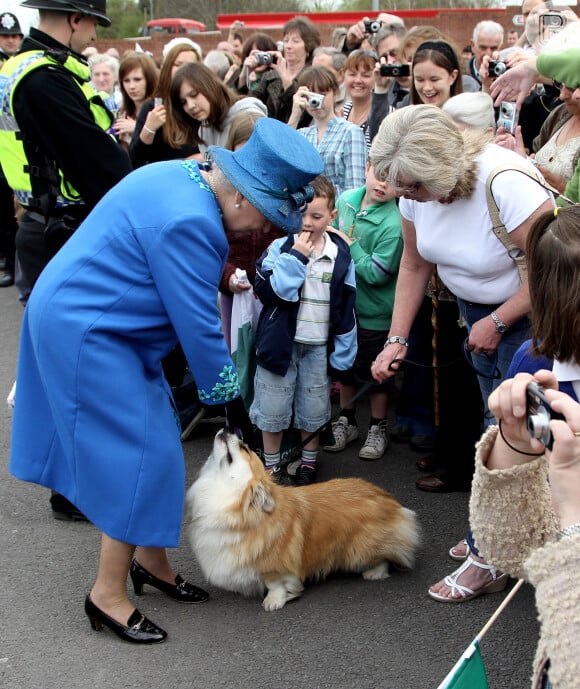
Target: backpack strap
[(499, 229)]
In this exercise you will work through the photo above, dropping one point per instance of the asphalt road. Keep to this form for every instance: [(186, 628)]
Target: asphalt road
[(343, 633)]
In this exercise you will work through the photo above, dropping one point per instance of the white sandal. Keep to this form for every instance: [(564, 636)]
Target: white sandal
[(454, 555), (498, 583)]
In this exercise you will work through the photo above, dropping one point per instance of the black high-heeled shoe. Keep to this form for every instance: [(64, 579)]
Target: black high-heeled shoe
[(182, 591), (139, 629)]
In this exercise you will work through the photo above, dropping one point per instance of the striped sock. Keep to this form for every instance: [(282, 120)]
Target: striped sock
[(271, 460), (308, 458)]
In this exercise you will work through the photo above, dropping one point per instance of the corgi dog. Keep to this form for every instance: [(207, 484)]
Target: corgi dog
[(252, 536)]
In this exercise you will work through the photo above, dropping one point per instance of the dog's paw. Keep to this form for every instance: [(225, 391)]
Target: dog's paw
[(381, 571), (275, 600)]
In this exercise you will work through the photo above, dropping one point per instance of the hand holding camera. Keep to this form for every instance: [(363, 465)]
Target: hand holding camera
[(534, 415)]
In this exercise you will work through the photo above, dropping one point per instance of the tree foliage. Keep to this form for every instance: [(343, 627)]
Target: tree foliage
[(126, 19)]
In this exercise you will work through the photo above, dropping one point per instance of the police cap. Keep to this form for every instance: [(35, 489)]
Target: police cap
[(94, 8), (9, 25)]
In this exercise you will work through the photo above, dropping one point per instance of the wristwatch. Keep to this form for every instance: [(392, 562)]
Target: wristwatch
[(396, 339), (499, 325)]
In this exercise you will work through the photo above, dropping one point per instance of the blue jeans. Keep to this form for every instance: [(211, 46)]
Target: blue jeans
[(304, 390), (518, 333)]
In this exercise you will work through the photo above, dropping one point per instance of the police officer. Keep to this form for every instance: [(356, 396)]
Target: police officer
[(54, 146), (10, 35), (10, 39)]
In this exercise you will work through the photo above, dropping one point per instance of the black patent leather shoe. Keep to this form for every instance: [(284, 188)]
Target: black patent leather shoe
[(139, 630), (182, 591)]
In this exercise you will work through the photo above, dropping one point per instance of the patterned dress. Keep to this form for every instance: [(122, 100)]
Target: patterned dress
[(94, 418)]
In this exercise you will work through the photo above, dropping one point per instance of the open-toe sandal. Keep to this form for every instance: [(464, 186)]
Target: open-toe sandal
[(459, 551), (498, 583)]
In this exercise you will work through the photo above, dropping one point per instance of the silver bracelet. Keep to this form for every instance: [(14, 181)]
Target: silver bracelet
[(150, 131), (571, 530)]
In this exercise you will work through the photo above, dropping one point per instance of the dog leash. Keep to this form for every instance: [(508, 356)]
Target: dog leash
[(296, 452)]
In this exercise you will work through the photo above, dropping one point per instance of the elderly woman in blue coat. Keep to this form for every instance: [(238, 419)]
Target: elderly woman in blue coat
[(141, 273)]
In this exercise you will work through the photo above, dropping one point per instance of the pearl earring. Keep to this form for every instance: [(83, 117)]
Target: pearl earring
[(237, 205)]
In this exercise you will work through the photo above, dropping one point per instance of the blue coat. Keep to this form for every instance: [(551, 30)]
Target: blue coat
[(94, 418)]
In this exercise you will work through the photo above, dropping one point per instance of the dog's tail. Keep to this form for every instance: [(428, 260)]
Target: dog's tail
[(406, 539)]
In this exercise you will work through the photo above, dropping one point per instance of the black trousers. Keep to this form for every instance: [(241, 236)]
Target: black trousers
[(8, 224)]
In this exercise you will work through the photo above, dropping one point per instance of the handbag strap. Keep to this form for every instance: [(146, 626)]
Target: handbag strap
[(516, 254)]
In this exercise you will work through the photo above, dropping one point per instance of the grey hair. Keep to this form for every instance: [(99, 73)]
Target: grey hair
[(338, 58), (111, 62), (217, 61), (388, 30), (487, 27), (473, 109), (422, 144)]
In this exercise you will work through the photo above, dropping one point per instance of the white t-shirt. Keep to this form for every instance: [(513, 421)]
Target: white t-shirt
[(568, 372), (458, 237)]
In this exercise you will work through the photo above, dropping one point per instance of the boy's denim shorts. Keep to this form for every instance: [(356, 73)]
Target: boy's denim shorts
[(305, 389)]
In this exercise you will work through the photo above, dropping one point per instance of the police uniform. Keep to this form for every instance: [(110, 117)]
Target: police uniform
[(9, 26), (88, 161)]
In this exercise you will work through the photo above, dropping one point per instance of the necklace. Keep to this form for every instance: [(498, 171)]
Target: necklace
[(211, 184)]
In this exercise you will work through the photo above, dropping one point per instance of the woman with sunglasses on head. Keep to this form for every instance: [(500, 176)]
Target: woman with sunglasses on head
[(440, 173)]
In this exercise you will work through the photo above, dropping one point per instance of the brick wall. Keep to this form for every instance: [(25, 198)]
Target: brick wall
[(458, 26)]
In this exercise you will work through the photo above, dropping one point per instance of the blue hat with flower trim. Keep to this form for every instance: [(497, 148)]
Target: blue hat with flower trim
[(272, 171)]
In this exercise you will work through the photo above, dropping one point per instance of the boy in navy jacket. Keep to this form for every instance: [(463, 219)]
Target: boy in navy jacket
[(307, 327)]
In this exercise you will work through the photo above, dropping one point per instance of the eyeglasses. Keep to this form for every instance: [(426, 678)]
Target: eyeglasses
[(409, 189)]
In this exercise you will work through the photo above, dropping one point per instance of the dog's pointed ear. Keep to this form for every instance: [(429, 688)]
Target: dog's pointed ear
[(262, 498)]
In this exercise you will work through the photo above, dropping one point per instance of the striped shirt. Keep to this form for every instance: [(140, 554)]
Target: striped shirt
[(312, 322)]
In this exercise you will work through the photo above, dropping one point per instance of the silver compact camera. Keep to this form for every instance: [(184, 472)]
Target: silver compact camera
[(315, 100), (508, 116), (263, 58), (539, 414)]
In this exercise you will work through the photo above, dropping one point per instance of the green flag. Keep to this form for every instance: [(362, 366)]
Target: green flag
[(469, 671)]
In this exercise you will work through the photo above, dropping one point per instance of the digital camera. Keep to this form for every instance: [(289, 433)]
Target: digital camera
[(508, 116), (315, 100), (263, 58), (539, 413), (496, 68), (395, 70), (551, 23), (372, 25)]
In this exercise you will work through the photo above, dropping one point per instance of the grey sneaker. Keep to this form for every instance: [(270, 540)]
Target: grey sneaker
[(344, 433), (376, 443)]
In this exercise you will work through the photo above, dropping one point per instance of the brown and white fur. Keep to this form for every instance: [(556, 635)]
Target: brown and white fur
[(249, 534)]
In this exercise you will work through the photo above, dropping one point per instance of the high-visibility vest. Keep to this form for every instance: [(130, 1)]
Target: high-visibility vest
[(17, 169)]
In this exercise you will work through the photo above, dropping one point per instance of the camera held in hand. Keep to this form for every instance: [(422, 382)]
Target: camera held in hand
[(540, 413), (496, 68), (372, 25), (314, 100), (395, 70), (508, 116), (263, 58)]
